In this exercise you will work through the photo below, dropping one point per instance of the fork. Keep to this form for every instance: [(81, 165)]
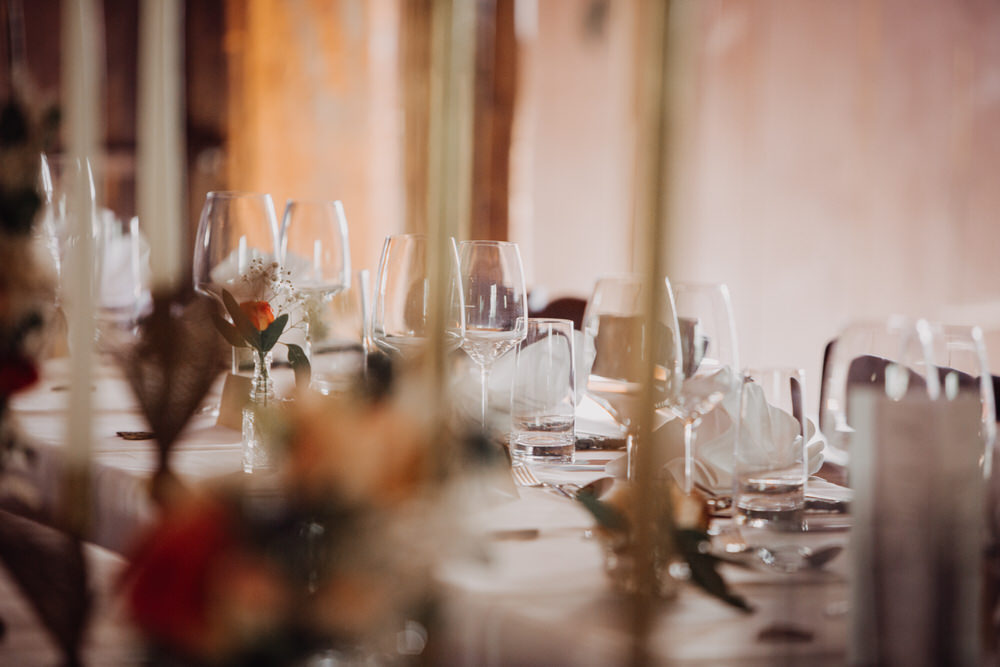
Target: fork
[(523, 476)]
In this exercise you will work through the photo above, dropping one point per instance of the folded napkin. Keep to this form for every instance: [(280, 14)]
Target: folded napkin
[(772, 432), (770, 429)]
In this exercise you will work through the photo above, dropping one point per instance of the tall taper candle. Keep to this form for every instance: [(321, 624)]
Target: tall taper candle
[(160, 148), (81, 95)]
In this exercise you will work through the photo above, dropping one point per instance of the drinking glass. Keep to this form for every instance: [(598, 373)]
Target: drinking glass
[(895, 356), (315, 251), (235, 228), (338, 355), (544, 394), (614, 331), (59, 177), (400, 323), (770, 466), (710, 357), (123, 289), (495, 309), (967, 369)]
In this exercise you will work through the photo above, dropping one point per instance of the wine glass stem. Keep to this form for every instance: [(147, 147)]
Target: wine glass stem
[(688, 454), (484, 372)]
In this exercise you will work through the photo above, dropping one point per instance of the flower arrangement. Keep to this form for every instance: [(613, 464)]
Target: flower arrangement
[(679, 538), (266, 287), (332, 552)]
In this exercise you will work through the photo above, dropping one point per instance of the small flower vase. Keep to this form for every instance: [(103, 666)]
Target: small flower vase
[(255, 448)]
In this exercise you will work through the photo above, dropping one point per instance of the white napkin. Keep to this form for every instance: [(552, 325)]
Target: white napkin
[(124, 266), (770, 430)]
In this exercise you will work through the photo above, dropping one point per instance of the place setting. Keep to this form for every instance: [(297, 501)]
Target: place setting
[(572, 333)]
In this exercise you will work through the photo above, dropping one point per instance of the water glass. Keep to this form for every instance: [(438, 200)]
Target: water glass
[(770, 456), (544, 394)]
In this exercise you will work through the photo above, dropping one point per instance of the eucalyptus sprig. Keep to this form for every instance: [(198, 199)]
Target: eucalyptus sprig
[(670, 542), (242, 332)]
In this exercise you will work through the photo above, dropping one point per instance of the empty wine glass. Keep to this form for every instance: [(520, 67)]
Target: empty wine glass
[(59, 176), (895, 356), (495, 310), (400, 323), (710, 358), (123, 279), (315, 250), (235, 228), (962, 350), (614, 332)]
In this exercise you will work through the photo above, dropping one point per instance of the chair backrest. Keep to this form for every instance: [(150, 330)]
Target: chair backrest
[(564, 308)]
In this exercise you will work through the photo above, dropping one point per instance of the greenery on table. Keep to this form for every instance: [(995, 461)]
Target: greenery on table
[(678, 535)]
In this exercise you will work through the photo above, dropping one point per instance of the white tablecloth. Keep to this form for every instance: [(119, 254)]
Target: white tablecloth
[(544, 600)]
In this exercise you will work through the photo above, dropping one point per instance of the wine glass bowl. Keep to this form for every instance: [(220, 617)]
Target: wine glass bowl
[(400, 319), (613, 333), (314, 247), (235, 229)]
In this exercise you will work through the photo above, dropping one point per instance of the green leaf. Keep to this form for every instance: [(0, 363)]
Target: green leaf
[(228, 331), (242, 322), (703, 568), (605, 515), (270, 335), (300, 364)]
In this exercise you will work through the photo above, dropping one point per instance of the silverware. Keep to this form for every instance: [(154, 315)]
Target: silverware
[(524, 476)]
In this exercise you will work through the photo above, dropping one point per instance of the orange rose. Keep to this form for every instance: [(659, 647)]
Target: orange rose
[(259, 312)]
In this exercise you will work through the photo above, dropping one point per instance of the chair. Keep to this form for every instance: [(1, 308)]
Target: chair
[(563, 308)]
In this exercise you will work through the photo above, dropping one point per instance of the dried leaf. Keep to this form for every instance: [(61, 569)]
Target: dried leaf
[(49, 568), (172, 367)]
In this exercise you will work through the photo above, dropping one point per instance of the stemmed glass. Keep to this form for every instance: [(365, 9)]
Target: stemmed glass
[(710, 358), (968, 370), (315, 249), (614, 331), (400, 323), (896, 357), (235, 228), (495, 310)]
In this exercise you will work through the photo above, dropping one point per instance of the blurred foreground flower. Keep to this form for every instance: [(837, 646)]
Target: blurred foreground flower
[(332, 551)]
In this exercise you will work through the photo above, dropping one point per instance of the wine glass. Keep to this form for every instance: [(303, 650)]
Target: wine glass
[(400, 322), (895, 356), (962, 349), (123, 294), (235, 228), (710, 357), (314, 247), (614, 331), (59, 177), (495, 309)]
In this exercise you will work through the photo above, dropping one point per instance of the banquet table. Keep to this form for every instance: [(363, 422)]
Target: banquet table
[(541, 597)]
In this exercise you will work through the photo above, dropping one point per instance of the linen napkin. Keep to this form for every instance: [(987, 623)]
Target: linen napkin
[(771, 430)]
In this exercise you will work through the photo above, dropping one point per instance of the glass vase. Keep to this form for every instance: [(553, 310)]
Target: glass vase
[(255, 448)]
